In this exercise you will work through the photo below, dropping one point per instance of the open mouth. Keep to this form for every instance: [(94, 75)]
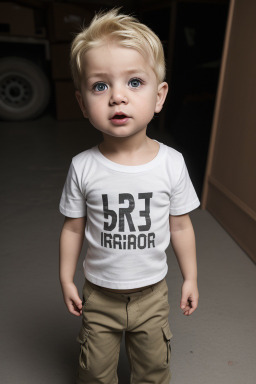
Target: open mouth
[(119, 118)]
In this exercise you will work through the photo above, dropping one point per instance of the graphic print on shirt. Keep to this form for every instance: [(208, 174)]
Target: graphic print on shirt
[(122, 221)]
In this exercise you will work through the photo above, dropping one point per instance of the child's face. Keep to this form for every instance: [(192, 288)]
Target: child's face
[(119, 91)]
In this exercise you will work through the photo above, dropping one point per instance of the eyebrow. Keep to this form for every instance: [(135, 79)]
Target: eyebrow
[(128, 72)]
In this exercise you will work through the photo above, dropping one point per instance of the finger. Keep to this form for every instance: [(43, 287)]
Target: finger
[(194, 306), (73, 309), (78, 307), (183, 303), (76, 313), (78, 303), (186, 311)]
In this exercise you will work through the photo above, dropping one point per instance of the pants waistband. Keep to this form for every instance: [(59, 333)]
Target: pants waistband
[(141, 291)]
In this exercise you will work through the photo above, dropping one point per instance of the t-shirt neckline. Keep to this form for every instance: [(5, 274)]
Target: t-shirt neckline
[(128, 168)]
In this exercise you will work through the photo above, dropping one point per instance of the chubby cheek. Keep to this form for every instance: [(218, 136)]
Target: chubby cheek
[(148, 109), (147, 103), (96, 119), (97, 115), (93, 108)]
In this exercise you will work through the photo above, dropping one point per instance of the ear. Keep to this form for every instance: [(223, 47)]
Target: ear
[(79, 98), (161, 96)]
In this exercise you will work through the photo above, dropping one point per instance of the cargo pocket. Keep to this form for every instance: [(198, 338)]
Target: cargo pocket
[(84, 351), (167, 338)]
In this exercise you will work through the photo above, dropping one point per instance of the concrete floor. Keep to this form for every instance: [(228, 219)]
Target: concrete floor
[(216, 345)]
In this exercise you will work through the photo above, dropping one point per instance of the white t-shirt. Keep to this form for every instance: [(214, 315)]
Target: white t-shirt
[(127, 210)]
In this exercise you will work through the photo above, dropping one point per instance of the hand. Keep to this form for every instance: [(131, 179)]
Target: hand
[(189, 297), (72, 299)]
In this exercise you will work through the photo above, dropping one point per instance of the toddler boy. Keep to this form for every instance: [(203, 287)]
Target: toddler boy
[(129, 195)]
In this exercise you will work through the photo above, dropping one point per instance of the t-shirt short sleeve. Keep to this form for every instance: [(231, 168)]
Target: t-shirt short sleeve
[(183, 197), (72, 202)]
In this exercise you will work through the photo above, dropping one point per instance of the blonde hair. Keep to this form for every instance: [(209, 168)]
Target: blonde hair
[(124, 29)]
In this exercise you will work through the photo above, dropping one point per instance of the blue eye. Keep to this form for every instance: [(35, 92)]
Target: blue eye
[(135, 83), (100, 87)]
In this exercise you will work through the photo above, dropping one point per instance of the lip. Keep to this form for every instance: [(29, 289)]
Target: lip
[(119, 113), (121, 121)]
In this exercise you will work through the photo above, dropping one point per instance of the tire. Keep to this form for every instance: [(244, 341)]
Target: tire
[(24, 89)]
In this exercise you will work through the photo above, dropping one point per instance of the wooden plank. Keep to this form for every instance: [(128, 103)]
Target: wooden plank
[(218, 104), (234, 220), (235, 200)]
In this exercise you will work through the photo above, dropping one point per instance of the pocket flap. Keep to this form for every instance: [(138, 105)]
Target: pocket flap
[(166, 331), (83, 334)]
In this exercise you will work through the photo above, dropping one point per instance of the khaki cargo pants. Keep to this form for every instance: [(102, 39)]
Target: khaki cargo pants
[(144, 318)]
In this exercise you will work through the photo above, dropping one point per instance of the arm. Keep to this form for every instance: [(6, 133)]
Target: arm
[(184, 246), (71, 241)]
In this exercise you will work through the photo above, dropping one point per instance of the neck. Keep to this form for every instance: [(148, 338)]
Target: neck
[(124, 144)]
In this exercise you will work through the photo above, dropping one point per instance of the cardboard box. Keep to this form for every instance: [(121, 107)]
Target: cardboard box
[(67, 107), (60, 61), (66, 20), (16, 20)]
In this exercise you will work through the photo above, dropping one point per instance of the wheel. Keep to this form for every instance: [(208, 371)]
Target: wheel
[(24, 89)]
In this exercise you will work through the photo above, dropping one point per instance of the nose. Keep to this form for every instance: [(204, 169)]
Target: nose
[(118, 96)]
